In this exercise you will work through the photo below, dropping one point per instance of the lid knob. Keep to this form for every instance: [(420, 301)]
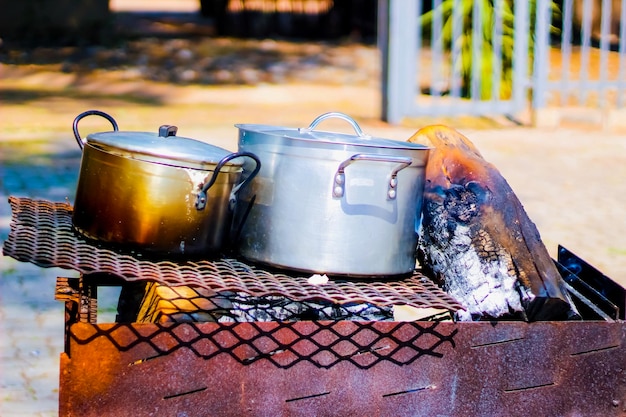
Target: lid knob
[(167, 130)]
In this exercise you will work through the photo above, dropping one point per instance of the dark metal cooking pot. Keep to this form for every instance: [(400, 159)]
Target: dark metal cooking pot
[(156, 191), (333, 203)]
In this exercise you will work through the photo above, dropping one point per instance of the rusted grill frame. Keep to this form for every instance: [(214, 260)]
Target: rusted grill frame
[(381, 368), (489, 369), (478, 369)]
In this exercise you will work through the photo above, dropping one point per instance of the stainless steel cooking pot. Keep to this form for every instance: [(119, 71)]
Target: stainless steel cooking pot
[(156, 191), (324, 202)]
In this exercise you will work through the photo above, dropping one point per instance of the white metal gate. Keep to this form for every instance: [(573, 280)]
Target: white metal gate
[(423, 75), (589, 71)]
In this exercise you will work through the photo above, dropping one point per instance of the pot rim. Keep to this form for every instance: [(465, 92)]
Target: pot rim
[(306, 135)]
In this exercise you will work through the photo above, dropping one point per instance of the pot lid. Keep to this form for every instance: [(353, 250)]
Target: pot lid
[(317, 136), (162, 146)]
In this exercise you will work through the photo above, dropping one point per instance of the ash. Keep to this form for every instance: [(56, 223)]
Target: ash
[(245, 308)]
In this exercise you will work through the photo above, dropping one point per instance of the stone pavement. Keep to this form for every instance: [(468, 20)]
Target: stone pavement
[(31, 321)]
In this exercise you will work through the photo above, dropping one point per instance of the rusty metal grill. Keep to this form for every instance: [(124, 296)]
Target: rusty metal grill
[(345, 368), (323, 367), (41, 233), (320, 343)]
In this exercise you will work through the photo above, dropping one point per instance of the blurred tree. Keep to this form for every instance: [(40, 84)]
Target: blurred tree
[(55, 22)]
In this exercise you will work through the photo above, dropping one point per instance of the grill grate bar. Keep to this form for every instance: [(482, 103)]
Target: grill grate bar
[(41, 233)]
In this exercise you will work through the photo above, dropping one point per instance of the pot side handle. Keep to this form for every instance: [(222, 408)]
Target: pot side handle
[(338, 115), (339, 183), (202, 196), (81, 141)]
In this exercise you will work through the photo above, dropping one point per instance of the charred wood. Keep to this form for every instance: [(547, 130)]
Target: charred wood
[(477, 240)]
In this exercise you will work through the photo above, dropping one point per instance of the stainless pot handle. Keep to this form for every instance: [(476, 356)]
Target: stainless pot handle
[(339, 183), (81, 141), (202, 197), (337, 115)]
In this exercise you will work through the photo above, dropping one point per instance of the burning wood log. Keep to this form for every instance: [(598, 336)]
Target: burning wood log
[(477, 240)]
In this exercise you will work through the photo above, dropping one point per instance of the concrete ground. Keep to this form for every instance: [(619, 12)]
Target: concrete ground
[(570, 180)]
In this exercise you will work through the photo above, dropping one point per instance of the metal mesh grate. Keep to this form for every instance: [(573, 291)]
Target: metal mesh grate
[(284, 344), (42, 233)]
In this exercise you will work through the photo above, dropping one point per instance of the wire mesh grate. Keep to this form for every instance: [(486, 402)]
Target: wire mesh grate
[(285, 344), (41, 233)]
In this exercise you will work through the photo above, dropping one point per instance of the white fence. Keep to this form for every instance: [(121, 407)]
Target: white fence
[(462, 58)]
